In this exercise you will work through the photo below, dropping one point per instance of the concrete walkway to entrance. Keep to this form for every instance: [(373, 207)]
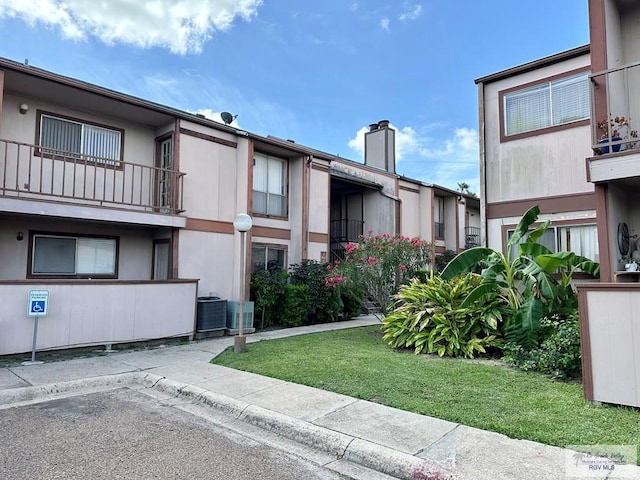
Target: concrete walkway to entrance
[(392, 442)]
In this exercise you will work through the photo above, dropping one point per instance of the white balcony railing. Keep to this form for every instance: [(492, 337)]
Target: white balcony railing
[(28, 171), (615, 109)]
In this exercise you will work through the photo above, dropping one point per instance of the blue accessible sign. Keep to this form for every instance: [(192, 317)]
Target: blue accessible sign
[(38, 303)]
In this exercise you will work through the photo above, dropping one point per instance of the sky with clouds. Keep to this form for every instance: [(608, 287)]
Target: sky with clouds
[(315, 72)]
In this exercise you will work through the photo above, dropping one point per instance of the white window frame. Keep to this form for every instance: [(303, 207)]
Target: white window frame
[(272, 198), (100, 266), (560, 242), (438, 217), (548, 109), (94, 142)]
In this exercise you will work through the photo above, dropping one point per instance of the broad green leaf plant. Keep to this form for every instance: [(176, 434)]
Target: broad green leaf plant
[(526, 282), (433, 317)]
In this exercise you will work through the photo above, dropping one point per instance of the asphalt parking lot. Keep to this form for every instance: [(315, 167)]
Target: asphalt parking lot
[(125, 434)]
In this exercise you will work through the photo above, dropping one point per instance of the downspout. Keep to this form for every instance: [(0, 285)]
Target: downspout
[(398, 208), (483, 167), (1, 95), (249, 209), (306, 174), (175, 232)]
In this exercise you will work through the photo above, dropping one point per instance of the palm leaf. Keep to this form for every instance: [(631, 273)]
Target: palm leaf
[(465, 261), (522, 229)]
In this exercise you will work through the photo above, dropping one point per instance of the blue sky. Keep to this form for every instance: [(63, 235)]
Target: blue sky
[(317, 72)]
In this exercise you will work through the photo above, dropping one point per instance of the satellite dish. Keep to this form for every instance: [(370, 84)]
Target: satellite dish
[(227, 118)]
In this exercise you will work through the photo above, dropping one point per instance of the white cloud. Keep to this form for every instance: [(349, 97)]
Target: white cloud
[(182, 26), (432, 157), (384, 24), (411, 13), (215, 116)]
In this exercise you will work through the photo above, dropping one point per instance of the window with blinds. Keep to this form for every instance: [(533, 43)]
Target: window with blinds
[(269, 185), (73, 139), (547, 105), (54, 255)]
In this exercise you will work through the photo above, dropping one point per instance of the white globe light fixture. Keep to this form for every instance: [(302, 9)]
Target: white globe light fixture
[(242, 223)]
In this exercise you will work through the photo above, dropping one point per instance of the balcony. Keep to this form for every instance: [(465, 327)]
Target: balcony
[(615, 119), (472, 237), (28, 173)]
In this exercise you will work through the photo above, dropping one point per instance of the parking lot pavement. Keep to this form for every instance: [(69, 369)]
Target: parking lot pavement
[(126, 434)]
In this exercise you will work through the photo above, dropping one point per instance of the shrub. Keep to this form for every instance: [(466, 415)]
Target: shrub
[(443, 259), (429, 317), (267, 291), (325, 302), (559, 353), (295, 305), (381, 263)]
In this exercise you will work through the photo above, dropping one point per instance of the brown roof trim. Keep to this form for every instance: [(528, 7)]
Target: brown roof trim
[(293, 146), (7, 64), (536, 64)]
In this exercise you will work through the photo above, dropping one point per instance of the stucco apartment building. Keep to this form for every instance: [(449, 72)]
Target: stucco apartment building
[(534, 138), (123, 209), (561, 132)]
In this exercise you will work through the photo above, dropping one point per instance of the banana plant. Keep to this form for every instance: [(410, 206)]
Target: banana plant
[(527, 282)]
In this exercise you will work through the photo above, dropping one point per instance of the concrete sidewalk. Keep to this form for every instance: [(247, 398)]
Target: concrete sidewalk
[(390, 441)]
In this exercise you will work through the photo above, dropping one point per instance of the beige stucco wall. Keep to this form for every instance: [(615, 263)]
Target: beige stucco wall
[(139, 141), (319, 201), (614, 345), (379, 213), (135, 245), (214, 259), (211, 182), (538, 166), (410, 210), (96, 313), (296, 206)]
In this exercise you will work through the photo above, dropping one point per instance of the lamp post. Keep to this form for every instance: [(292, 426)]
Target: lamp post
[(242, 223)]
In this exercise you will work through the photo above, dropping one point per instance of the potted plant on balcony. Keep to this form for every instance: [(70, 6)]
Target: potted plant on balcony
[(615, 130)]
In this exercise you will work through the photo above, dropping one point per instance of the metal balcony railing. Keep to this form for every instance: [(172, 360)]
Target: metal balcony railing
[(31, 172), (346, 230), (340, 233), (615, 109), (472, 237)]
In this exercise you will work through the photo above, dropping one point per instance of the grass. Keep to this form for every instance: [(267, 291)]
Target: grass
[(490, 396)]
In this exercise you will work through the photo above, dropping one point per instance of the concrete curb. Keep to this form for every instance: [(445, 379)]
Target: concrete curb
[(356, 450), (27, 394)]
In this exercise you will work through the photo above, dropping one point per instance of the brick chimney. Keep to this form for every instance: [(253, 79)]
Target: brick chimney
[(380, 146)]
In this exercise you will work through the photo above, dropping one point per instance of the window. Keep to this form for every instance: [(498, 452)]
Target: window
[(75, 139), (547, 105), (61, 255), (438, 214), (267, 257), (579, 239), (269, 185)]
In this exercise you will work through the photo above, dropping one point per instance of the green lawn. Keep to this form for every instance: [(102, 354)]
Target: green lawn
[(358, 363)]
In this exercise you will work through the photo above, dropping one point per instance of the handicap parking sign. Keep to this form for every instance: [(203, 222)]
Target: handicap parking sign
[(38, 303)]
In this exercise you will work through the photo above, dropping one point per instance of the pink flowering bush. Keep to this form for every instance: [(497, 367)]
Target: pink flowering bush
[(381, 263)]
